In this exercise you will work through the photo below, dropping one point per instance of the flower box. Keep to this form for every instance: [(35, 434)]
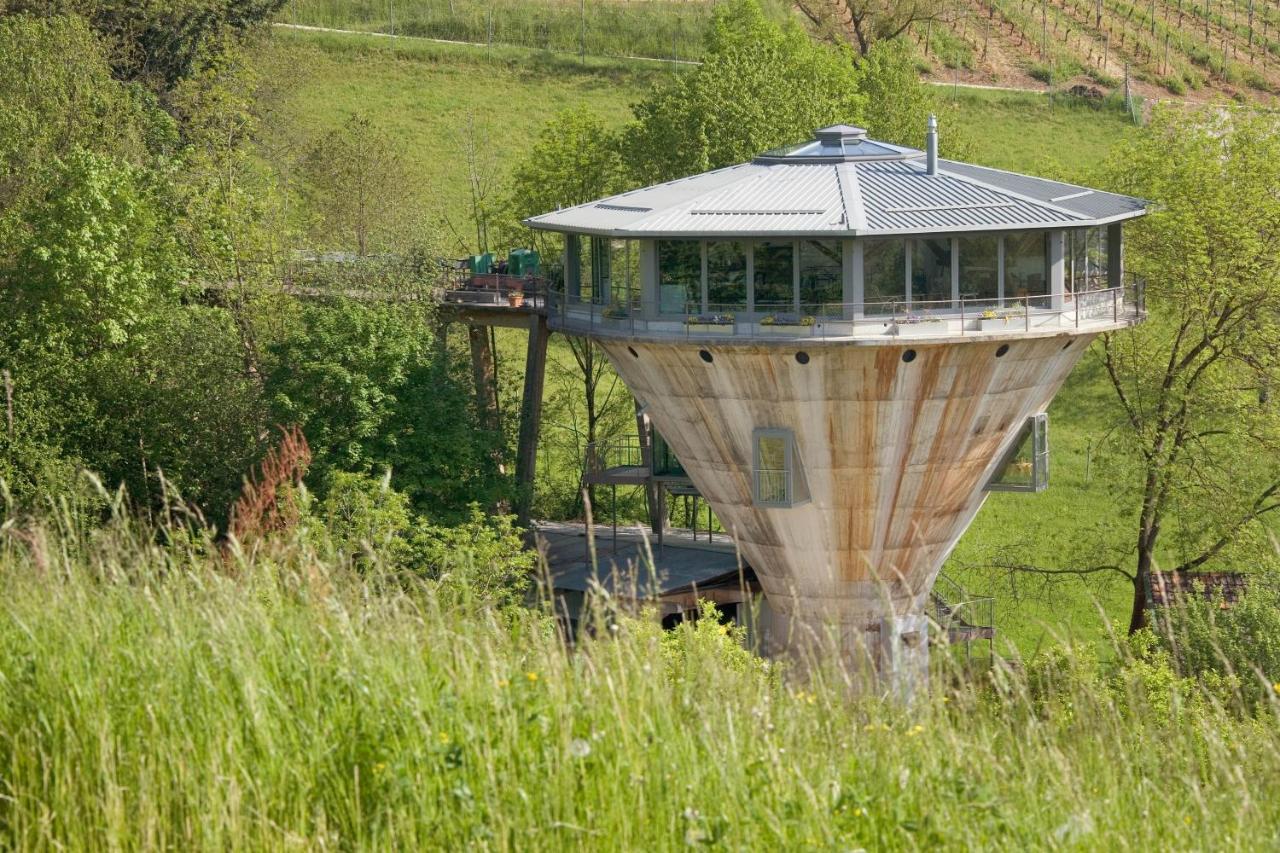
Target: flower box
[(710, 328), (1003, 324), (925, 329), (784, 330)]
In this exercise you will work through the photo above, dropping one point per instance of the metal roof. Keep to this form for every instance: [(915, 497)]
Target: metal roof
[(842, 184)]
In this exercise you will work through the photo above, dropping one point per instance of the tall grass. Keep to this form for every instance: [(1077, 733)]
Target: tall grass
[(169, 696)]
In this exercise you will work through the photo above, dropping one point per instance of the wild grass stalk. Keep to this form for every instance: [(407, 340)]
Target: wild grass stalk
[(182, 697)]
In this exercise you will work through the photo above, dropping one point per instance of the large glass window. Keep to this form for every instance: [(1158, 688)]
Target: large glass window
[(726, 276), (884, 275), (979, 268), (1097, 251), (679, 276), (931, 273), (821, 276), (624, 271), (774, 274), (1026, 265), (1075, 276), (1026, 467), (601, 271)]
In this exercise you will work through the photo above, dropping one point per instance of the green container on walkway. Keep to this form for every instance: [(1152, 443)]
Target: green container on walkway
[(522, 262), (481, 264)]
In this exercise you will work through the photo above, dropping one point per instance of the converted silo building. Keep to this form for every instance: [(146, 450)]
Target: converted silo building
[(845, 342)]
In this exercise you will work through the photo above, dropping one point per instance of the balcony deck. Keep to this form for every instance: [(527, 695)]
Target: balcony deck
[(883, 323)]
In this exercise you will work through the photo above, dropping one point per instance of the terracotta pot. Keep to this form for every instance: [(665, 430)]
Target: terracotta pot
[(515, 298)]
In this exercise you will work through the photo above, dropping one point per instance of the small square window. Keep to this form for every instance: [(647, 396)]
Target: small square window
[(777, 477), (1026, 467)]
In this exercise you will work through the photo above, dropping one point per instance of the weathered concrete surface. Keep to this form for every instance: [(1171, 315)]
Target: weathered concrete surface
[(895, 454)]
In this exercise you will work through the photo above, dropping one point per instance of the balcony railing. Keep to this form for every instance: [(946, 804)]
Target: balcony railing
[(628, 316), (621, 452)]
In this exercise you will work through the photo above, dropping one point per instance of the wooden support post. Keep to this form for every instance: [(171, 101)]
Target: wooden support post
[(485, 379), (535, 371)]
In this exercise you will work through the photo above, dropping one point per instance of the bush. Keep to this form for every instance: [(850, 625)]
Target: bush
[(1174, 84), (1236, 645)]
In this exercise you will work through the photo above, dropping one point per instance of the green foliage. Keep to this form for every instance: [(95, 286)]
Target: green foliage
[(99, 254), (755, 90), (367, 520), (575, 159), (899, 102), (1192, 382), (151, 695), (336, 373), (1236, 646), (356, 186), (482, 559), (57, 97), (160, 43)]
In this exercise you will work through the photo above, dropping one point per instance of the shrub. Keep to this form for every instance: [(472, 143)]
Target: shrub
[(1174, 84), (482, 559), (1229, 645)]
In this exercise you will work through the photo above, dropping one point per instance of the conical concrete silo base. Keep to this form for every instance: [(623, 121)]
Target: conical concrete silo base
[(895, 444)]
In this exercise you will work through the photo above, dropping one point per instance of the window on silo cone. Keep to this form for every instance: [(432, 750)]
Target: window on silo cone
[(1026, 467), (777, 475)]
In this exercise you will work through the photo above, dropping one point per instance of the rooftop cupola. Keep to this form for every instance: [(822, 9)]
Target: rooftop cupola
[(839, 143), (838, 133)]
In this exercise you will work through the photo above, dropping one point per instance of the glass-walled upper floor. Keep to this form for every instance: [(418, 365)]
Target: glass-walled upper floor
[(835, 277)]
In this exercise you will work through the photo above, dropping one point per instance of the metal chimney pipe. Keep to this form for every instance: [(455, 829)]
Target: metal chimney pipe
[(931, 145)]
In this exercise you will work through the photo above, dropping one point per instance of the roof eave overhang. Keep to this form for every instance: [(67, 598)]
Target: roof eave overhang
[(627, 234)]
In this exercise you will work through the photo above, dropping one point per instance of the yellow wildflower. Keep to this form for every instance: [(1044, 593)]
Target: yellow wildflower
[(444, 738), (502, 682), (532, 676)]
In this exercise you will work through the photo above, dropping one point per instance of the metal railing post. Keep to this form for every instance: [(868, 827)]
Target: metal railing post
[(1026, 310)]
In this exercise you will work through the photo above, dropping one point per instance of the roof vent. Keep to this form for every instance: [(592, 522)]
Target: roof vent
[(931, 146), (840, 133)]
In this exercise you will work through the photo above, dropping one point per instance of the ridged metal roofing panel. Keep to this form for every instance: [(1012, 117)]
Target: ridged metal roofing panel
[(1088, 203), (901, 196), (773, 198)]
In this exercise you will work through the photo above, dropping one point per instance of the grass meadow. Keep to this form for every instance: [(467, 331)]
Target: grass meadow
[(432, 97), (179, 697)]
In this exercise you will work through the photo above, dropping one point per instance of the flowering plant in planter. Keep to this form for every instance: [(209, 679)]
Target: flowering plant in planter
[(786, 320), (709, 320), (615, 312)]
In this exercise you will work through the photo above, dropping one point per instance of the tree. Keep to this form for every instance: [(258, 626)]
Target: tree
[(357, 183), (760, 86), (155, 42), (336, 372), (1193, 381), (56, 97), (99, 252), (868, 23), (574, 160), (1193, 459)]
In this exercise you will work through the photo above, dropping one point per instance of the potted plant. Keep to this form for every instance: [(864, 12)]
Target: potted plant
[(515, 293), (614, 311)]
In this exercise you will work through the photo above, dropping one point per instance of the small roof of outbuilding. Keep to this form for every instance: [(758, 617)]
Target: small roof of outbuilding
[(840, 183)]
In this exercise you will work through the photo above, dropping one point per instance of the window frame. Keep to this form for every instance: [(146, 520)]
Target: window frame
[(1038, 427), (796, 490)]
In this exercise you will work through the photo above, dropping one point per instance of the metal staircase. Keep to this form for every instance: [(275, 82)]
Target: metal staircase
[(962, 618)]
